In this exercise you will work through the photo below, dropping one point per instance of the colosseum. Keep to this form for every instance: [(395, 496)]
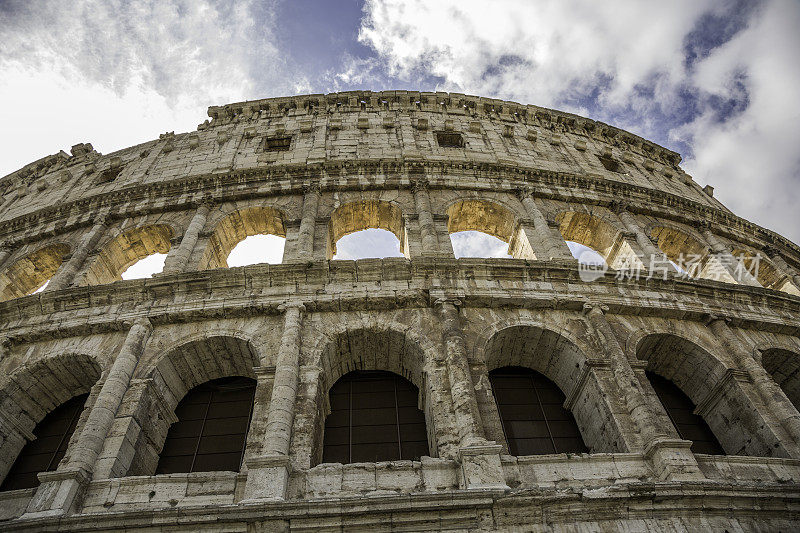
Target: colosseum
[(655, 391)]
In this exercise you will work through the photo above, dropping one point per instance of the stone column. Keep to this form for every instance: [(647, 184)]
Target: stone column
[(723, 254), (268, 474), (304, 248), (62, 489), (5, 253), (654, 260), (480, 459), (178, 256), (669, 457), (422, 201), (769, 391), (545, 243), (779, 262), (67, 272)]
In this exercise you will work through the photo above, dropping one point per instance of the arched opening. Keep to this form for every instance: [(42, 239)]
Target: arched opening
[(52, 435), (480, 228), (562, 363), (362, 221), (594, 241), (764, 271), (31, 393), (784, 367), (248, 236), (126, 250), (374, 416), (532, 412), (376, 356), (720, 399), (211, 431), (215, 370), (680, 410), (31, 273), (689, 255)]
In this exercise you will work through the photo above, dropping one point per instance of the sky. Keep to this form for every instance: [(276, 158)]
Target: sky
[(715, 80)]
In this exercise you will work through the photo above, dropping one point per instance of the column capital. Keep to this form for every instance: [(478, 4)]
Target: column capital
[(420, 184), (204, 201), (141, 321), (524, 192), (769, 251), (292, 304), (711, 319), (620, 206), (439, 303), (703, 226), (311, 187), (592, 308)]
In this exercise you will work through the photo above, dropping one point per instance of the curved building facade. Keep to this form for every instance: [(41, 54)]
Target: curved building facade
[(657, 390)]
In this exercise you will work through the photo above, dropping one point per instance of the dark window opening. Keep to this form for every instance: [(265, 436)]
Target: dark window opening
[(48, 448), (277, 144), (109, 174), (610, 164), (211, 431), (374, 417), (449, 140), (532, 412), (680, 409)]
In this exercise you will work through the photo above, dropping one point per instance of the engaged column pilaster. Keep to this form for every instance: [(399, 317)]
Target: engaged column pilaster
[(65, 275), (178, 256)]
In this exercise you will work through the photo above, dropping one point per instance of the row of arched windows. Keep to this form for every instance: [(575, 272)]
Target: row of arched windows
[(478, 228), (374, 416)]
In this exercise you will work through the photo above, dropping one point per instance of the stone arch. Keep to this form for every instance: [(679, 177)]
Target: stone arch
[(126, 249), (561, 361), (366, 214), (597, 233), (30, 272), (167, 380), (767, 275), (784, 367), (237, 226), (689, 252), (31, 391), (387, 348), (720, 398), (492, 217)]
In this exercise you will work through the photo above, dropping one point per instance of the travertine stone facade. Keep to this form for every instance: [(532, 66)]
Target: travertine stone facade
[(315, 168)]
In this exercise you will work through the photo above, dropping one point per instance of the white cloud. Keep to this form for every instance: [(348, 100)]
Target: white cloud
[(625, 61), (257, 249), (119, 73), (368, 243), (477, 244)]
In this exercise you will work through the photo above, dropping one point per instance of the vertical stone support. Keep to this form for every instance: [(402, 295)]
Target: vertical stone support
[(67, 272), (265, 380), (178, 256), (777, 260), (304, 245), (654, 260), (5, 253), (422, 201), (62, 489), (546, 244), (268, 474), (669, 457), (723, 254), (771, 394), (480, 460), (13, 437)]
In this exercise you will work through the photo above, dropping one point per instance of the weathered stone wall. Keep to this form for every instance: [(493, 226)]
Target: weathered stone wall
[(529, 176)]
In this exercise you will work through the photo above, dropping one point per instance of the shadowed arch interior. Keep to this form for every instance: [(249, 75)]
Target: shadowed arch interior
[(689, 254), (374, 416), (32, 271), (237, 226), (560, 361), (765, 272), (365, 214), (31, 392), (125, 250), (784, 367), (595, 233)]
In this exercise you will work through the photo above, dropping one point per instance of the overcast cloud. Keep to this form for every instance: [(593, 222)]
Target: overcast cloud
[(718, 82)]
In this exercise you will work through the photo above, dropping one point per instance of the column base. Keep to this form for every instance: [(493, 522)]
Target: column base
[(671, 459), (267, 478), (58, 493), (481, 467)]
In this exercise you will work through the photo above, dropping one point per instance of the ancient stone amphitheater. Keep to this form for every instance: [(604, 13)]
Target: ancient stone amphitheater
[(404, 393)]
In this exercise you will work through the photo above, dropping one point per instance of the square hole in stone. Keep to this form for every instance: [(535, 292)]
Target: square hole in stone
[(447, 139), (277, 144), (110, 174), (610, 164)]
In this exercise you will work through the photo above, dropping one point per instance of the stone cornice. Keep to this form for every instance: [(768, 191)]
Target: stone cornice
[(226, 293), (291, 179)]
